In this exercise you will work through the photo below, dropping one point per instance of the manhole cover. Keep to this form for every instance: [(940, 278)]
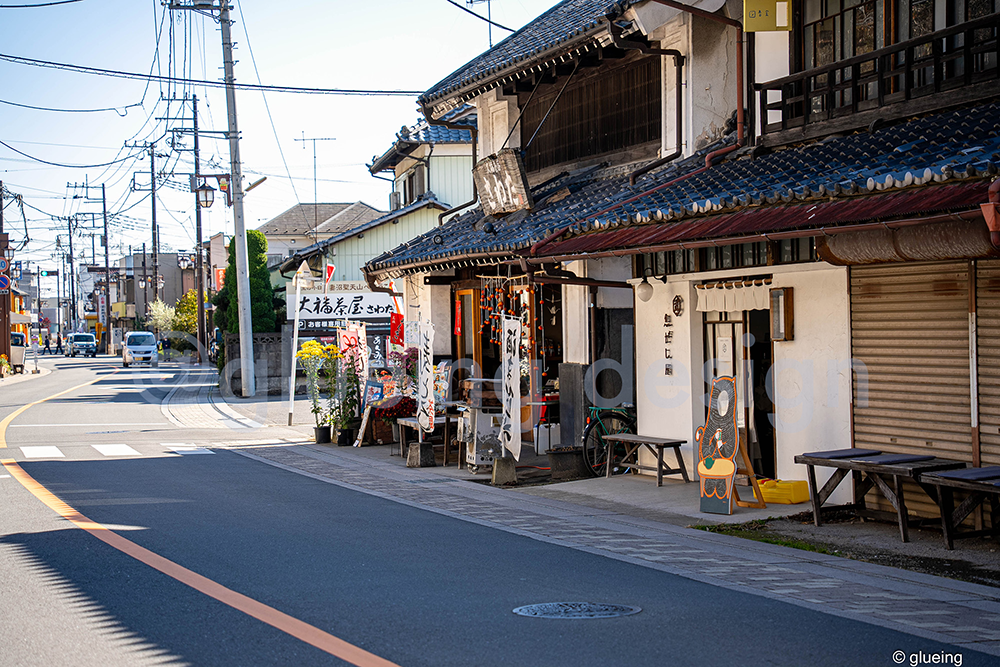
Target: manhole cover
[(576, 610)]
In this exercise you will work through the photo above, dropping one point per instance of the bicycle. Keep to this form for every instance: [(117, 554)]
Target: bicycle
[(602, 422)]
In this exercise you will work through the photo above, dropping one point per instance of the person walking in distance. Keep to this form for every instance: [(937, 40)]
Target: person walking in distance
[(59, 349), (47, 350)]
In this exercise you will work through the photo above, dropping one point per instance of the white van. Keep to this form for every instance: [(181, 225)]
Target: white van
[(139, 348)]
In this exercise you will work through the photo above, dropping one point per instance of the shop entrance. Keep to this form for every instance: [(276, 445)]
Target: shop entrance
[(739, 344)]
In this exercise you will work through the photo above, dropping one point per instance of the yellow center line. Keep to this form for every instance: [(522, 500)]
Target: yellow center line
[(12, 416), (288, 624)]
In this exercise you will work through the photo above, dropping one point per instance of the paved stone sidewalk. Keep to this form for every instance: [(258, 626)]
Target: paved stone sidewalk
[(959, 613)]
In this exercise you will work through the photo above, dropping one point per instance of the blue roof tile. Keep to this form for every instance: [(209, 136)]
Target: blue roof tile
[(568, 22), (954, 145)]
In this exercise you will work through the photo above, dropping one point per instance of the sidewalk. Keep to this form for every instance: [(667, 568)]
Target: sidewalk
[(629, 518)]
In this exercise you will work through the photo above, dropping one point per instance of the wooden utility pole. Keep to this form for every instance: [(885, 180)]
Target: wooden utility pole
[(199, 265), (108, 348)]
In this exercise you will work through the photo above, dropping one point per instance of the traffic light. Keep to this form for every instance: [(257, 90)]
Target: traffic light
[(44, 273)]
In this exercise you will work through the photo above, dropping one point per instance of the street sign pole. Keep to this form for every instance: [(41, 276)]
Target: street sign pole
[(300, 275)]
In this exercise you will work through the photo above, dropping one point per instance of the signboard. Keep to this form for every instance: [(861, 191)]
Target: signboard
[(766, 15), (349, 305), (220, 278), (425, 378), (510, 430), (502, 183), (101, 308)]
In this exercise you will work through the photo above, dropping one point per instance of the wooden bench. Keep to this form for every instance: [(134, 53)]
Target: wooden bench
[(869, 469), (981, 483), (633, 443)]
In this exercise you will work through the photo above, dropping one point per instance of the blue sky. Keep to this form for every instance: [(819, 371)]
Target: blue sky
[(390, 44)]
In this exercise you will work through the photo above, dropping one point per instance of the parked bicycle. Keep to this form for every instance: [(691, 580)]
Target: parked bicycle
[(602, 422)]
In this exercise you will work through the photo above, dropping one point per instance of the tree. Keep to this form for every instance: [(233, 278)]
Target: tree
[(186, 313), (161, 316), (261, 295)]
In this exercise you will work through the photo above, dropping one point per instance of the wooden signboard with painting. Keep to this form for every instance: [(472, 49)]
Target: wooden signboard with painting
[(718, 451)]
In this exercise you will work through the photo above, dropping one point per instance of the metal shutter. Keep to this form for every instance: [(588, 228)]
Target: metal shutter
[(988, 330), (910, 329)]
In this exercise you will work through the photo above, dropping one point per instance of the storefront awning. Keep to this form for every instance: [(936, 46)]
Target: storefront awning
[(733, 296), (18, 318)]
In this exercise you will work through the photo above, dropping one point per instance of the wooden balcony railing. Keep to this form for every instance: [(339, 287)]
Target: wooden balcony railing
[(958, 64)]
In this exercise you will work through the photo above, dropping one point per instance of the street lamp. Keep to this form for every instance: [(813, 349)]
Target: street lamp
[(206, 195)]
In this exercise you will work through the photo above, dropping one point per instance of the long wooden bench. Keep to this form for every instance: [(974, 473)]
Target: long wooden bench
[(633, 443), (982, 484), (869, 469)]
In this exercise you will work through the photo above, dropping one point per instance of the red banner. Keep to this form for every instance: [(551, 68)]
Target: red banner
[(458, 317), (396, 329)]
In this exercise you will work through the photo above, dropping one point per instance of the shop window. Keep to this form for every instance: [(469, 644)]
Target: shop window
[(734, 256), (663, 263), (797, 250)]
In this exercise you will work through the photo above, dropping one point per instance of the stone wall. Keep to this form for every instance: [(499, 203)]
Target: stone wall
[(272, 364)]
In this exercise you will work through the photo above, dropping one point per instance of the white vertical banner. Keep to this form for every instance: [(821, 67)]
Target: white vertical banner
[(510, 431), (425, 378)]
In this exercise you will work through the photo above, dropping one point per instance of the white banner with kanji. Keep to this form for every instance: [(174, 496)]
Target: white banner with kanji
[(425, 378), (510, 430)]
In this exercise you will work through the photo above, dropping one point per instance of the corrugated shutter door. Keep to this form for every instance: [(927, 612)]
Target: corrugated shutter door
[(988, 329), (910, 329)]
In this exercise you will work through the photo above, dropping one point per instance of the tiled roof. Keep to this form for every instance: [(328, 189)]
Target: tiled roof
[(567, 23), (296, 259), (300, 219), (941, 148), (319, 219), (408, 138)]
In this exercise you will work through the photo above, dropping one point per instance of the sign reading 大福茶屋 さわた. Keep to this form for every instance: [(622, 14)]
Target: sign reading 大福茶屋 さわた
[(346, 305)]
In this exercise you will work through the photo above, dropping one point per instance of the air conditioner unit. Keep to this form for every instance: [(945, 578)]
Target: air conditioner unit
[(395, 201)]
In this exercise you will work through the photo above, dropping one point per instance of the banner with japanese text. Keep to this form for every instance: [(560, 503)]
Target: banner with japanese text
[(425, 378), (510, 430)]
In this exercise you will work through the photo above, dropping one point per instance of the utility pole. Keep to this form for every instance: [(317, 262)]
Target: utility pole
[(145, 287), (249, 381), (72, 276), (108, 348), (156, 233), (199, 265), (315, 192)]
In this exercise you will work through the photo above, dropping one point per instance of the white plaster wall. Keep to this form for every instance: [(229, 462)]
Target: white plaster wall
[(711, 77), (669, 406), (812, 377), (575, 318), (770, 62), (611, 268), (496, 114)]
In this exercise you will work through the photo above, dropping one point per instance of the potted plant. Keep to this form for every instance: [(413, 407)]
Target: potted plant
[(313, 357), (347, 402)]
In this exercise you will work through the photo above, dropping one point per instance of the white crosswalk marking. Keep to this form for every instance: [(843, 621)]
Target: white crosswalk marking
[(184, 448), (116, 450), (42, 452)]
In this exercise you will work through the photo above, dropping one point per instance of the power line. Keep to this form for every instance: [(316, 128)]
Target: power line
[(215, 84), (41, 4), (115, 109), (68, 166), (480, 17)]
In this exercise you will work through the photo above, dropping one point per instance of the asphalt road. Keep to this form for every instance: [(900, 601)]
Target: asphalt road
[(407, 585)]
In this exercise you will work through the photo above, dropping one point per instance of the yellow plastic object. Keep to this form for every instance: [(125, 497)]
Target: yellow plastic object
[(784, 493)]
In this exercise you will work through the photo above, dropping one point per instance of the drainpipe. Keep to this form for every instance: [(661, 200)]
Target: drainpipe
[(474, 130), (991, 212), (740, 121), (619, 41), (711, 157)]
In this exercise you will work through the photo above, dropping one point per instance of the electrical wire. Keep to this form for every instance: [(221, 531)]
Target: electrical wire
[(480, 17), (115, 109), (40, 4), (20, 60)]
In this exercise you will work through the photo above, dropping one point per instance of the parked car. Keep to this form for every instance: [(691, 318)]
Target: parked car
[(17, 349), (139, 348), (81, 343)]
